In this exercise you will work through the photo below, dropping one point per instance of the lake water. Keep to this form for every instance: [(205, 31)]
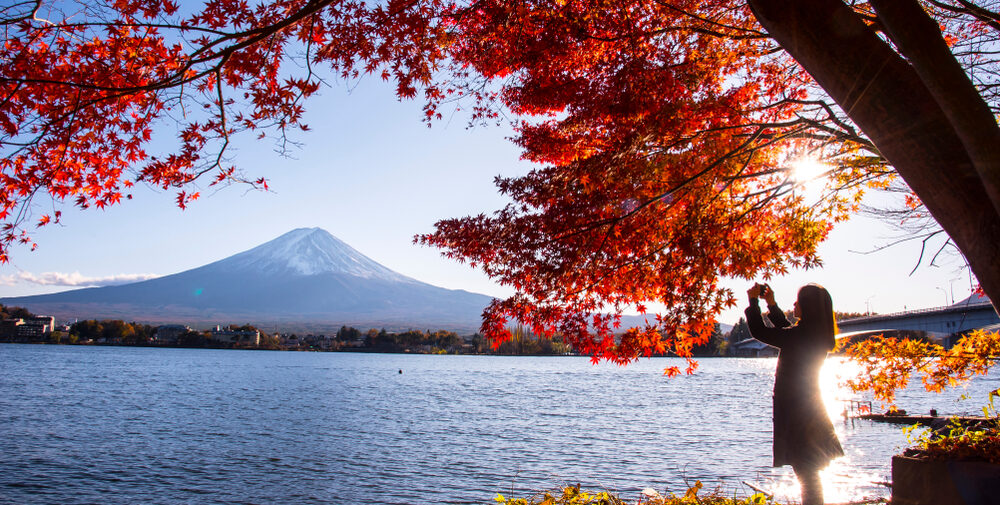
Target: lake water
[(120, 425)]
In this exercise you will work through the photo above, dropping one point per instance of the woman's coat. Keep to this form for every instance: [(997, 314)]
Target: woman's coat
[(803, 433)]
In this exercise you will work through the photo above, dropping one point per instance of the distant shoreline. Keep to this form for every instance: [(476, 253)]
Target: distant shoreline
[(359, 350)]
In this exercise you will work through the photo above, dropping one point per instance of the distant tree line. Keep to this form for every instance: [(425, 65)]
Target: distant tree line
[(523, 343), (14, 313), (111, 331), (347, 338), (412, 340)]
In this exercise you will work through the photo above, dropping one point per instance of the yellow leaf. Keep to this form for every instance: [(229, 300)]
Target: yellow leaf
[(693, 492)]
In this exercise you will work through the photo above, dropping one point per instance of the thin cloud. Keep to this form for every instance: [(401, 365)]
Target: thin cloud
[(74, 279)]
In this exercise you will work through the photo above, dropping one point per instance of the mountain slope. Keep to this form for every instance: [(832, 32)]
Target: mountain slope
[(306, 277)]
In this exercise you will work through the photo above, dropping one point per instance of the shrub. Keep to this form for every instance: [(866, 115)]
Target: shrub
[(960, 441)]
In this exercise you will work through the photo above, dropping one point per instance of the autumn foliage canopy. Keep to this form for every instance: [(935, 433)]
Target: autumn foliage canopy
[(666, 133)]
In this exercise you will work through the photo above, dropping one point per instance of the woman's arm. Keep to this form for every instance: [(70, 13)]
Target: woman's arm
[(775, 314), (776, 337)]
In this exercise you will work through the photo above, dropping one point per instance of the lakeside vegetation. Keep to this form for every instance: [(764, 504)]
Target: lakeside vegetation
[(246, 336), (573, 495), (346, 339)]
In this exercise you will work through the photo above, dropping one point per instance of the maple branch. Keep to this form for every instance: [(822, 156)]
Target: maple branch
[(755, 34), (760, 132), (181, 28), (924, 238), (923, 247), (944, 245), (22, 213), (761, 129), (770, 194), (10, 96), (782, 188), (16, 18), (846, 131), (779, 190), (223, 128), (69, 135), (671, 29), (112, 93), (978, 12), (718, 161), (203, 54), (840, 135), (611, 223)]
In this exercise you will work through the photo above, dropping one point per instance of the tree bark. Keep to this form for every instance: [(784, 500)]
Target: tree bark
[(919, 40), (886, 98)]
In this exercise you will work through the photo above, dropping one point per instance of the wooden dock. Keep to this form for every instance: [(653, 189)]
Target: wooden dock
[(922, 420), (862, 409)]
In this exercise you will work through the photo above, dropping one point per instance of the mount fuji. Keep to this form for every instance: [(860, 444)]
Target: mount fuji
[(306, 280)]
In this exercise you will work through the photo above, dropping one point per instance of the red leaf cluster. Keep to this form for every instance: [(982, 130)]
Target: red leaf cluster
[(664, 129), (888, 363), (84, 86)]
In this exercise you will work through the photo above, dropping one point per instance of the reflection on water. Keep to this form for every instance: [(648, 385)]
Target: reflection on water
[(131, 425), (835, 372), (862, 472), (847, 478)]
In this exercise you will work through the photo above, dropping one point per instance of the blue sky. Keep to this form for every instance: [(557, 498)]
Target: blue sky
[(371, 173)]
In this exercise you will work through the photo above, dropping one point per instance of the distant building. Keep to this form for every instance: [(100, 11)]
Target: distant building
[(290, 341), (753, 348), (27, 329), (241, 337), (321, 342), (38, 326), (170, 333), (8, 327)]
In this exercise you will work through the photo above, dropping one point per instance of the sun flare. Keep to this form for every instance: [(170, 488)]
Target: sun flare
[(808, 169)]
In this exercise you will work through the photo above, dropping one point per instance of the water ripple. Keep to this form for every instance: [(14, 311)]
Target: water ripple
[(108, 425)]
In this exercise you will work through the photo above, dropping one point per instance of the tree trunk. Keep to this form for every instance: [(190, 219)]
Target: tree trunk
[(886, 98), (919, 40)]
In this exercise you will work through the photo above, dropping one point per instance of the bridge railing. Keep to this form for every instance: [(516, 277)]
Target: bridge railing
[(904, 313)]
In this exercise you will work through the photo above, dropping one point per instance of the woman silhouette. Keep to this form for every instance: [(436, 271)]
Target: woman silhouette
[(803, 433)]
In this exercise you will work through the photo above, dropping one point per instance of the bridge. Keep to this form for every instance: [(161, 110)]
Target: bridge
[(942, 322)]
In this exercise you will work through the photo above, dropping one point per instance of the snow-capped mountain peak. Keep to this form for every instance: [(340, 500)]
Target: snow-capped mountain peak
[(311, 251), (306, 277)]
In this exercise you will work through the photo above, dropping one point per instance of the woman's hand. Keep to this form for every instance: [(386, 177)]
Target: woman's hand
[(767, 294), (754, 292)]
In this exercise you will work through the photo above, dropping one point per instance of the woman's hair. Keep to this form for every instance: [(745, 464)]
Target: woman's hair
[(816, 309)]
